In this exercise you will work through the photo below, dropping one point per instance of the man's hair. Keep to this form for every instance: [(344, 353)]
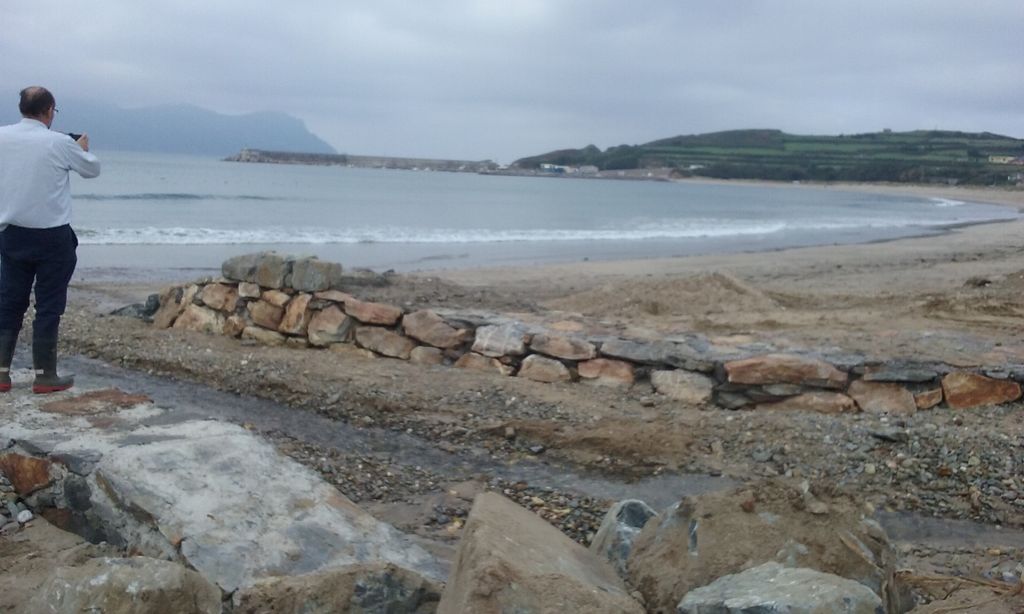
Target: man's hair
[(35, 101)]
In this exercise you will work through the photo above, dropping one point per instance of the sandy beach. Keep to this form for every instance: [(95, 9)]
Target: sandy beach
[(954, 298)]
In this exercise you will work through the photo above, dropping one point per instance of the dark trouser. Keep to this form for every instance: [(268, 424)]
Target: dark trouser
[(45, 256)]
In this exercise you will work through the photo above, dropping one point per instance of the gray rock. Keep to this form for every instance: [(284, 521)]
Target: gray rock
[(242, 268), (773, 589), (271, 516), (656, 353), (621, 525), (897, 373), (312, 275), (272, 270), (138, 585), (501, 340)]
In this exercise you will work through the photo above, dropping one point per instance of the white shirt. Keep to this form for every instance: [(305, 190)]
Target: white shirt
[(35, 188)]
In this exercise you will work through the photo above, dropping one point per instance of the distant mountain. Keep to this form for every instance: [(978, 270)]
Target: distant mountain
[(919, 156), (182, 129)]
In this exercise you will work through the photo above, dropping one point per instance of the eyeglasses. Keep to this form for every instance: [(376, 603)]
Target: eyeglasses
[(56, 110)]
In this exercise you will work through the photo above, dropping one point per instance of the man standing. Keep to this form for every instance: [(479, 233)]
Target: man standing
[(37, 244)]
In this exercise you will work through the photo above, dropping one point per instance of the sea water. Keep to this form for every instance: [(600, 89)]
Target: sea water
[(164, 212)]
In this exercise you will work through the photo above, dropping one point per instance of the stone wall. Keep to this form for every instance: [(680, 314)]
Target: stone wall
[(274, 299)]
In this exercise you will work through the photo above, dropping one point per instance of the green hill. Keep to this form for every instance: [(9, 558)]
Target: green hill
[(918, 156)]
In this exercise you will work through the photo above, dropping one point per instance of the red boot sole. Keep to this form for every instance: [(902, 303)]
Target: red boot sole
[(48, 389)]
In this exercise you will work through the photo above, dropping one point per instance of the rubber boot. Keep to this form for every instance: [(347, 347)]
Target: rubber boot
[(8, 339), (44, 361)]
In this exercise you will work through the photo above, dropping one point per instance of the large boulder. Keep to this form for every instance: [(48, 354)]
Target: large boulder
[(221, 297), (607, 372), (384, 341), (373, 313), (964, 390), (137, 585), (820, 401), (200, 319), (432, 329), (560, 346), (266, 315), (312, 275), (619, 529), (270, 516), (477, 362), (330, 326), (543, 369), (785, 369), (773, 589), (679, 385), (703, 538), (272, 270), (658, 353), (511, 560), (881, 397), (354, 589), (297, 315), (241, 268), (501, 340), (173, 301)]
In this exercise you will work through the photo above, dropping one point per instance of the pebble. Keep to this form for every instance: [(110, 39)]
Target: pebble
[(25, 516)]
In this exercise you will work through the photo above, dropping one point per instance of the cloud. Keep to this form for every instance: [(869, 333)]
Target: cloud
[(487, 79)]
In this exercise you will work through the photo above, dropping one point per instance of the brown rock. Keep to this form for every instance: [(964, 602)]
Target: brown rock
[(297, 343), (478, 362), (964, 390), (785, 369), (384, 341), (373, 313), (276, 297), (543, 369), (879, 398), (334, 295), (607, 372), (262, 335), (928, 399), (511, 560), (563, 347), (173, 302), (354, 588), (266, 315), (691, 388), (136, 585), (821, 402), (330, 326), (200, 319), (234, 325), (25, 473), (95, 402), (430, 328), (249, 290), (221, 297), (297, 315), (424, 355)]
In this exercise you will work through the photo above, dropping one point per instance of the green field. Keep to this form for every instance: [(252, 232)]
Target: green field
[(919, 157)]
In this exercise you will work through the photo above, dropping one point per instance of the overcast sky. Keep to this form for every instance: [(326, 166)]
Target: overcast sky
[(507, 78)]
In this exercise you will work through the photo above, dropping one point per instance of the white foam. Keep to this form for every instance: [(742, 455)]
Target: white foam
[(947, 202)]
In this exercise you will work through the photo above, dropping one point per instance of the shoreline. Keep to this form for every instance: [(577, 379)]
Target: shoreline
[(432, 259)]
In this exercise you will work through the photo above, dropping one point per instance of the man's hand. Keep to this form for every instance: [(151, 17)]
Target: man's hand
[(83, 142)]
